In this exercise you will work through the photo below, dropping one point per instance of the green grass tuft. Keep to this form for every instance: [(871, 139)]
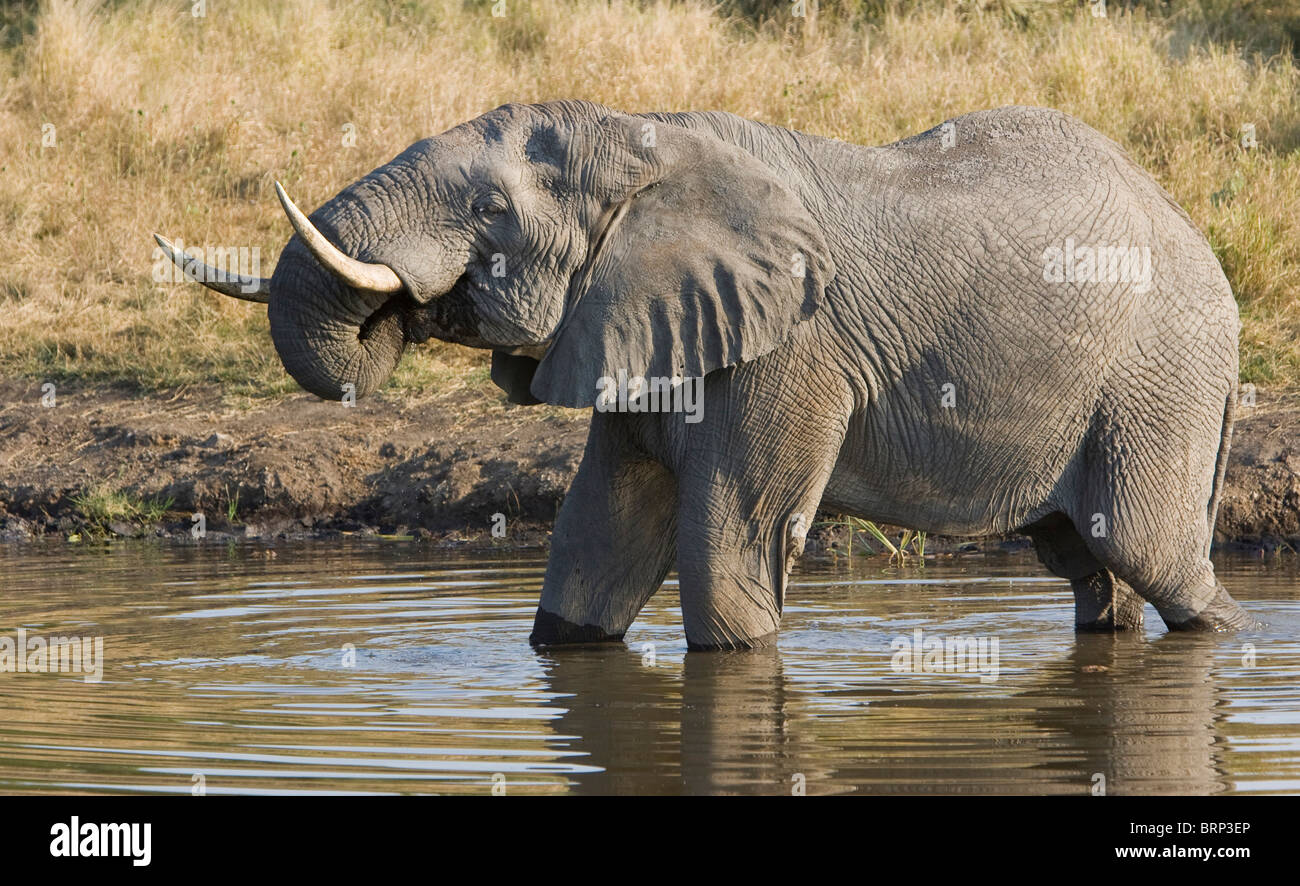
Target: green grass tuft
[(910, 544), (103, 505)]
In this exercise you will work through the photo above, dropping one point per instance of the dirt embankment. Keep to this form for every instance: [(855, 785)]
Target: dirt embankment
[(107, 461), (122, 464)]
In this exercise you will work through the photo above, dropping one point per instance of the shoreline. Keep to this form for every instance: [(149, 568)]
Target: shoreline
[(109, 463)]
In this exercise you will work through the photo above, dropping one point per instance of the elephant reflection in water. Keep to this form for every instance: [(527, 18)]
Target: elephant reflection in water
[(1117, 714), (1150, 717), (717, 726)]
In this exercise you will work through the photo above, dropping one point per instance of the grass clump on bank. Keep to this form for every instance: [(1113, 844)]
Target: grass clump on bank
[(911, 542), (121, 119), (106, 509)]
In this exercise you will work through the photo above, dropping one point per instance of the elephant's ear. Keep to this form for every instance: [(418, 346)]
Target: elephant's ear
[(514, 375), (705, 259)]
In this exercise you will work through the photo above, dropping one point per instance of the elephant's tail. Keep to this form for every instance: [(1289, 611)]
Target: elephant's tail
[(1221, 463)]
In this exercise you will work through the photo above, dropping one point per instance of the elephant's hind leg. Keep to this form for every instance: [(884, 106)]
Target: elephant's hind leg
[(613, 543), (1102, 601), (1179, 582), (1149, 497)]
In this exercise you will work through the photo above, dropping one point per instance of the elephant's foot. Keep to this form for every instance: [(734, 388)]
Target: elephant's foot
[(1105, 604), (1223, 614), (725, 610), (550, 629), (732, 643)]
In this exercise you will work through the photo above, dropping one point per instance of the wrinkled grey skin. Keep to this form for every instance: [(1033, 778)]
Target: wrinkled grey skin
[(1093, 416)]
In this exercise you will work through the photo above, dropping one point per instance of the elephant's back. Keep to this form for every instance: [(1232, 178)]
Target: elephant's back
[(1029, 220), (1041, 176), (1015, 144)]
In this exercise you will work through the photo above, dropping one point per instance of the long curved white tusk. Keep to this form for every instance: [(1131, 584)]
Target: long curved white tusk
[(355, 273), (255, 289)]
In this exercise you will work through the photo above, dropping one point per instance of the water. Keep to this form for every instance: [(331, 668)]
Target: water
[(230, 668)]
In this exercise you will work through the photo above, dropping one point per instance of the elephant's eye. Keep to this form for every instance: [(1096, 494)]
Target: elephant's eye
[(490, 206)]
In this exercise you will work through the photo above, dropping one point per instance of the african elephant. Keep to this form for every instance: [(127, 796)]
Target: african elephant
[(1001, 324)]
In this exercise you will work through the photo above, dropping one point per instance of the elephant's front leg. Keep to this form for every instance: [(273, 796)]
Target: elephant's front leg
[(614, 539), (750, 480)]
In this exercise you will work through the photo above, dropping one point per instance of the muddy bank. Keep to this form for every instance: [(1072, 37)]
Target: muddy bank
[(106, 462)]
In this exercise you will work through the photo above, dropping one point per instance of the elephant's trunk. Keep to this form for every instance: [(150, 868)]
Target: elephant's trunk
[(329, 335), (338, 322)]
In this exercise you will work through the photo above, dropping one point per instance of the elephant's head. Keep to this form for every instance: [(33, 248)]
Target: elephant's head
[(572, 240)]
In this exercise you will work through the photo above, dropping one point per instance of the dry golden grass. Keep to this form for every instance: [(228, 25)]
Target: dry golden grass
[(167, 122)]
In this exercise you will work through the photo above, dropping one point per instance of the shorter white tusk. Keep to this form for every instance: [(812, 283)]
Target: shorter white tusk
[(355, 273), (256, 289)]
